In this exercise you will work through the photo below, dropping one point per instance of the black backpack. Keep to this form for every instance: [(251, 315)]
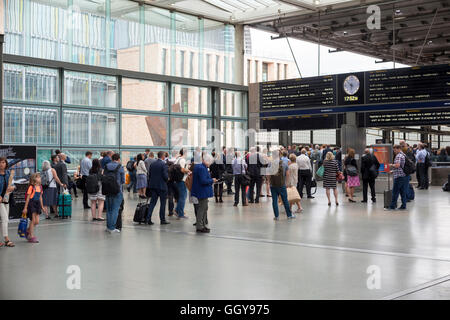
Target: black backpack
[(409, 167), (92, 186), (110, 186), (130, 165)]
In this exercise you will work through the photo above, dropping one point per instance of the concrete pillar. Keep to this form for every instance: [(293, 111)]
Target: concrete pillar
[(238, 68), (352, 136)]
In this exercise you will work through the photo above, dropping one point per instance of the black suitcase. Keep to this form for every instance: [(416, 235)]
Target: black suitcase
[(119, 217), (387, 198), (141, 212)]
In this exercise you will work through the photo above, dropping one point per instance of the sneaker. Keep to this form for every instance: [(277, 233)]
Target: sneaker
[(276, 218), (402, 208), (292, 217), (183, 217), (115, 231), (107, 230)]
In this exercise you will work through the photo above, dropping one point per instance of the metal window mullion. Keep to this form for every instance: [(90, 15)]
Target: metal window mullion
[(90, 128), (23, 125)]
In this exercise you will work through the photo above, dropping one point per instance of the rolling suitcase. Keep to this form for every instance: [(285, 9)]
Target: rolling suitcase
[(141, 212), (65, 205), (387, 198), (388, 194)]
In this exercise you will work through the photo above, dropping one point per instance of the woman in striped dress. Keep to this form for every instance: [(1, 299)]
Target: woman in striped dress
[(330, 176)]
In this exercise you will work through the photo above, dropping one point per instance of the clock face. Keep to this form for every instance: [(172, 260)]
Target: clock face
[(351, 85)]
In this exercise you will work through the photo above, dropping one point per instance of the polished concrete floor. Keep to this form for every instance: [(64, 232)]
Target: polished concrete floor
[(323, 254)]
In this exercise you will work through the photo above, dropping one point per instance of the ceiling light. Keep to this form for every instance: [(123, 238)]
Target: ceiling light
[(316, 2), (398, 12), (345, 33)]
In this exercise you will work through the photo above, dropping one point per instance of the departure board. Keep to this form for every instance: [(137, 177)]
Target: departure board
[(405, 118), (357, 91), (299, 93), (408, 84)]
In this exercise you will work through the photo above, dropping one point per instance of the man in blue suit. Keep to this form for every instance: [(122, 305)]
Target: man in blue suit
[(157, 183)]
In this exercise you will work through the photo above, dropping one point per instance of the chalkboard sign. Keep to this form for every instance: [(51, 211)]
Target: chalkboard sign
[(18, 203)]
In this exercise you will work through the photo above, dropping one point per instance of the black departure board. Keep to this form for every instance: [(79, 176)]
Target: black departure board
[(406, 118), (408, 84), (299, 93), (329, 94)]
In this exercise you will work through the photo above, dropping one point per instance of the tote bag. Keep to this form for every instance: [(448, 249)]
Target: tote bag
[(292, 194), (321, 171)]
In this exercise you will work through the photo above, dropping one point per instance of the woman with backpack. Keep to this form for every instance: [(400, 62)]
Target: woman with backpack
[(351, 174), (49, 179), (141, 172), (94, 183)]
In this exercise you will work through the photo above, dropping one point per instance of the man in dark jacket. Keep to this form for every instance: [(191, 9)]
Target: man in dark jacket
[(369, 172), (61, 169), (157, 183), (254, 170)]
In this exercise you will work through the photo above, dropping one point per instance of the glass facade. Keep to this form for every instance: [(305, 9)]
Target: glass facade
[(79, 109), (87, 89), (119, 34)]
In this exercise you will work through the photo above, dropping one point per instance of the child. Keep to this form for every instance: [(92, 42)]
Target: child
[(33, 205)]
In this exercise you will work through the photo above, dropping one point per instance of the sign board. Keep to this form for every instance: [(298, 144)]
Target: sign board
[(384, 154), (21, 159), (397, 89)]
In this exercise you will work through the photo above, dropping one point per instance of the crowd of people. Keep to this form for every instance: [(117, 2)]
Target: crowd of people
[(282, 174)]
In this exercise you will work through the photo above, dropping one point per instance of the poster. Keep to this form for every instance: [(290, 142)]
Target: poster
[(21, 159), (383, 152)]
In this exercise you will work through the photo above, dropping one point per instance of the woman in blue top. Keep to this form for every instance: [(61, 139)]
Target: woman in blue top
[(4, 207), (201, 191)]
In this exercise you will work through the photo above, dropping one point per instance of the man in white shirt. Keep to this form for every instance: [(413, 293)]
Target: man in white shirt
[(85, 166), (304, 174), (182, 190)]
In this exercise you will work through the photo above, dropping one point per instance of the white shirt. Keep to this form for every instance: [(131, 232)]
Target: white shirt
[(303, 162), (50, 178), (182, 162), (141, 168)]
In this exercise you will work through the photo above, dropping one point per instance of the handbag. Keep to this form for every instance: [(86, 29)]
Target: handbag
[(321, 171), (352, 171), (244, 178), (292, 194), (340, 176)]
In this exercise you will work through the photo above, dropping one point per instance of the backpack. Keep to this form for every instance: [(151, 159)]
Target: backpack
[(45, 182), (92, 186), (110, 186), (130, 165), (409, 167), (428, 162), (190, 178), (175, 173), (278, 180)]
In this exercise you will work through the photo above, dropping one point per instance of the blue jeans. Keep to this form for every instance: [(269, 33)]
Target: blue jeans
[(182, 195), (112, 209), (401, 185), (162, 195), (280, 191)]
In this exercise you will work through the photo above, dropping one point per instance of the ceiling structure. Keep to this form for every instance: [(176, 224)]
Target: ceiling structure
[(413, 32)]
